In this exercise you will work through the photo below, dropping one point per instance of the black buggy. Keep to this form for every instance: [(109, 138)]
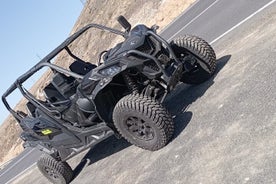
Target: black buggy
[(122, 96)]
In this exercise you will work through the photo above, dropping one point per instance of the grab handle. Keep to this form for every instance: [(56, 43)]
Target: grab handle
[(123, 21)]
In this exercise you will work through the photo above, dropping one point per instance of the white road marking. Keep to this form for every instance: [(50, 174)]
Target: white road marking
[(191, 21), (17, 162), (21, 173), (243, 21), (185, 11)]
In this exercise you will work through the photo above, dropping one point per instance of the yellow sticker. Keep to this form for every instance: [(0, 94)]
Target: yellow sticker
[(46, 131)]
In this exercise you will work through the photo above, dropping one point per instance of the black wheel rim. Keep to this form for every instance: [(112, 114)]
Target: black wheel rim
[(139, 128), (51, 173)]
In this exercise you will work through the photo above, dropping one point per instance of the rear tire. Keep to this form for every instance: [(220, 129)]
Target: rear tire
[(203, 50), (143, 122), (55, 171)]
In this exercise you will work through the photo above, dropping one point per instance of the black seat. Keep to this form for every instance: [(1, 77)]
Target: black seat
[(55, 99), (31, 108), (52, 94), (81, 67)]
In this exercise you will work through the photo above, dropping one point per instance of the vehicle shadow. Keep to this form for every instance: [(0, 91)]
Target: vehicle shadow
[(184, 95), (177, 103), (102, 150)]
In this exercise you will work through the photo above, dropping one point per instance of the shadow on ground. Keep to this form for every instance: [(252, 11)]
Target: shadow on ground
[(102, 150), (177, 103), (184, 95)]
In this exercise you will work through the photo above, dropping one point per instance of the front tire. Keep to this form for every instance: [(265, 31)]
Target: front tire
[(55, 171), (143, 122), (195, 74)]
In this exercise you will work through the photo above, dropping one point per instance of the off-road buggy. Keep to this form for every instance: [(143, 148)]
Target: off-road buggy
[(122, 96)]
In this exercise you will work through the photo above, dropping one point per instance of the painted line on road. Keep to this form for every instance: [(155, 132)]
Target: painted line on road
[(16, 162), (243, 21), (21, 173), (176, 19), (194, 19)]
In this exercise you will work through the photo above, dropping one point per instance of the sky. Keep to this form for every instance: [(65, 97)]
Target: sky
[(29, 30)]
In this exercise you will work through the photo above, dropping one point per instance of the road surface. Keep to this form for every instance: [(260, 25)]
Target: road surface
[(211, 18), (21, 163), (225, 127)]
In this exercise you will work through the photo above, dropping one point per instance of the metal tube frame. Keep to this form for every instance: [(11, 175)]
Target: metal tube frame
[(167, 77), (46, 62)]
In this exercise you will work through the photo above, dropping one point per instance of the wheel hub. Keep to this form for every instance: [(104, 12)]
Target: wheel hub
[(51, 172), (139, 128)]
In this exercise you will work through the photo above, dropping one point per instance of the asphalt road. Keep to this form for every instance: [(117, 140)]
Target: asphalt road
[(23, 162), (211, 18), (225, 127)]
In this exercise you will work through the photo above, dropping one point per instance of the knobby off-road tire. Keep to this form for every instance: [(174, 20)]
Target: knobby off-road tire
[(203, 50), (143, 122), (55, 171)]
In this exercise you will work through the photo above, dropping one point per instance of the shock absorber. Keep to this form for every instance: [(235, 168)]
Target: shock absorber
[(130, 83)]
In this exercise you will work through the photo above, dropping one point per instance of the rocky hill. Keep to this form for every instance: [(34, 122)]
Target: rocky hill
[(160, 12)]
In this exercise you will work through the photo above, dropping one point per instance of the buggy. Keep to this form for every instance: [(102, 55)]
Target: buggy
[(122, 95)]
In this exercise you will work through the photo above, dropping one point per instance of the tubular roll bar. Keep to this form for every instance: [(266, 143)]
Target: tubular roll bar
[(46, 62), (163, 41)]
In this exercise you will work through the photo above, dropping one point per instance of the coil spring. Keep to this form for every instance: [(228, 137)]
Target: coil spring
[(131, 84)]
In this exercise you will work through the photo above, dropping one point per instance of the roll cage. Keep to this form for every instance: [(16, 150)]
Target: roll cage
[(46, 62)]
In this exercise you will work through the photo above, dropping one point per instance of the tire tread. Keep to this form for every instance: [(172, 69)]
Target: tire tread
[(151, 109), (62, 168), (199, 47)]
